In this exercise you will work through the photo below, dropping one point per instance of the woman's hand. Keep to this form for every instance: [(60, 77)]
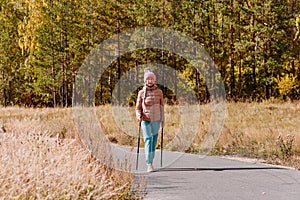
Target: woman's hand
[(140, 119), (162, 123)]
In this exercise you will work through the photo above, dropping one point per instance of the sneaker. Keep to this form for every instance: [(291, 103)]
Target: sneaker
[(150, 167)]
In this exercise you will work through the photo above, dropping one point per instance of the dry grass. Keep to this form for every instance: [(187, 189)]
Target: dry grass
[(42, 159), (266, 131), (269, 131)]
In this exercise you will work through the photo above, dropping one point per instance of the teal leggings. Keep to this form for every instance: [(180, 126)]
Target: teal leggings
[(150, 132)]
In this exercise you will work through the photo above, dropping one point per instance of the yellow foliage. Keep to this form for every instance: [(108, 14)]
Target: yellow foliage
[(286, 84), (297, 27), (30, 24)]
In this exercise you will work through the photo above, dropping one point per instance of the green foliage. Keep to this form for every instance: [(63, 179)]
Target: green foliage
[(44, 43)]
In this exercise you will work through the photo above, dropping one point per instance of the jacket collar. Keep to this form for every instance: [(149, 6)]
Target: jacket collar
[(151, 88)]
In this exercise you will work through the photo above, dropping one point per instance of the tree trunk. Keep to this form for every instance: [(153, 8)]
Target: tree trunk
[(293, 38), (232, 78), (4, 89), (119, 67), (254, 56)]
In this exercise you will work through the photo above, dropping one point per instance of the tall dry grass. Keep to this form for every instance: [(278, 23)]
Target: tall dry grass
[(270, 131), (267, 131), (41, 158)]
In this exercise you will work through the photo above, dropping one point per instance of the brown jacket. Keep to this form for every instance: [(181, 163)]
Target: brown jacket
[(150, 104)]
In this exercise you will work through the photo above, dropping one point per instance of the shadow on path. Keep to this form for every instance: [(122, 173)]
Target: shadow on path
[(216, 169)]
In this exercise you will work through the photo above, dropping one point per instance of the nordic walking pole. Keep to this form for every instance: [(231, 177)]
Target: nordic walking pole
[(161, 146), (138, 149)]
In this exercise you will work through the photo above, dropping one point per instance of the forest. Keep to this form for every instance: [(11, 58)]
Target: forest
[(255, 45)]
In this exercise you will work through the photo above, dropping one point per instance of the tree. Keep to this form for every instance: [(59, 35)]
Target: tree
[(254, 44), (11, 57)]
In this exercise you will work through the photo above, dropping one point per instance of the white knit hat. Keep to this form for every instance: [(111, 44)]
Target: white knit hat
[(149, 74)]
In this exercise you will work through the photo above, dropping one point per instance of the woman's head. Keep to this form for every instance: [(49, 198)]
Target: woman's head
[(149, 77)]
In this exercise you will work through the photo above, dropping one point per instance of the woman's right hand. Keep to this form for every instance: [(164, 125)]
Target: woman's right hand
[(140, 119)]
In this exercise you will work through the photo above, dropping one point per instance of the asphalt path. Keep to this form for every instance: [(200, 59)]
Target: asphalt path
[(189, 176)]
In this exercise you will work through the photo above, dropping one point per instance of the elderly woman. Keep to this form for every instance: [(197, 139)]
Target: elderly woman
[(150, 112)]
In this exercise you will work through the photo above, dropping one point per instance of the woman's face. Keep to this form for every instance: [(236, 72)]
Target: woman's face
[(150, 81)]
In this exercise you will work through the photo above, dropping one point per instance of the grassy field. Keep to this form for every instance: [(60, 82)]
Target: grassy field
[(42, 158), (268, 132)]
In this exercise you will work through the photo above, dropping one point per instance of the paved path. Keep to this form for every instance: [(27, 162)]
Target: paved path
[(188, 177)]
